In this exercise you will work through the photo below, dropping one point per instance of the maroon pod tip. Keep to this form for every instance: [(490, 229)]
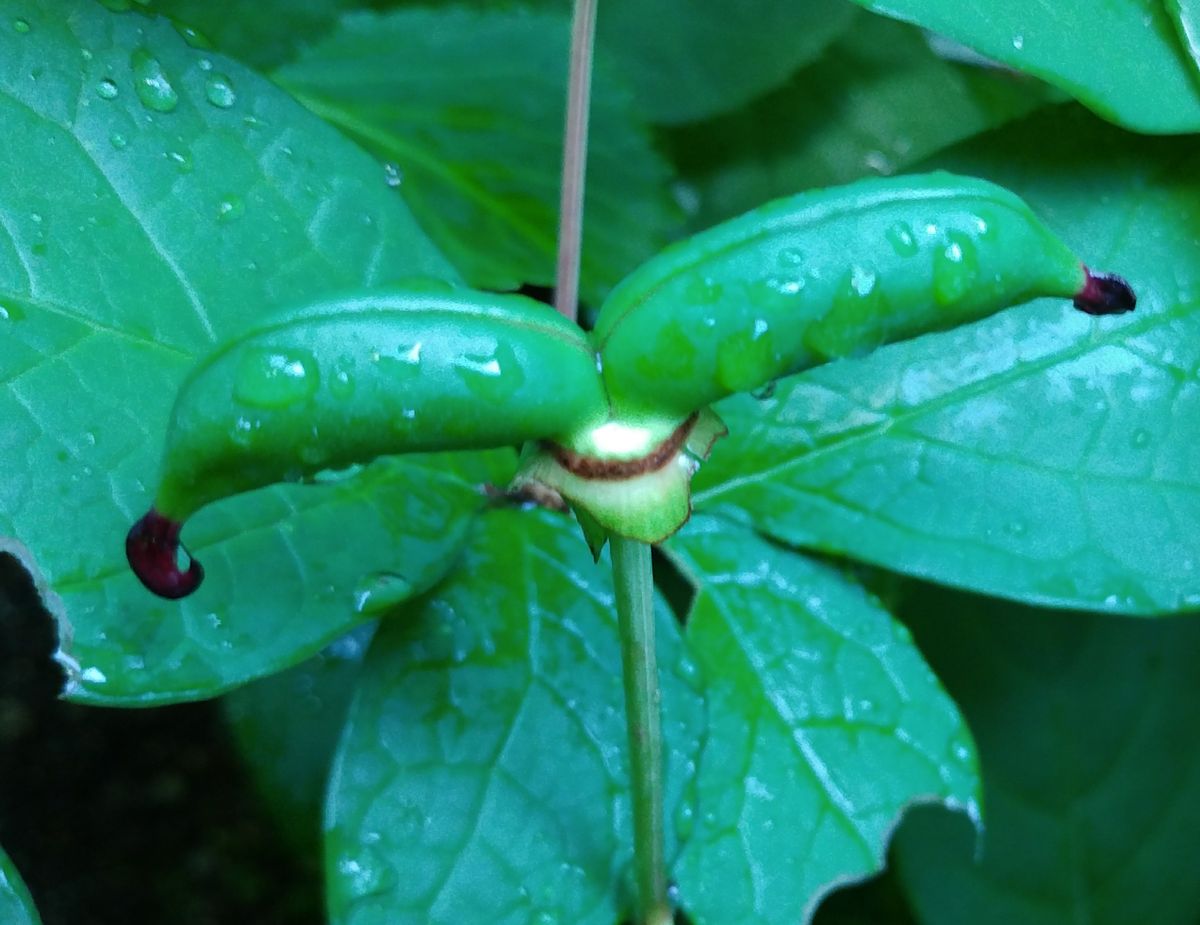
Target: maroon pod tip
[(152, 547), (1105, 294)]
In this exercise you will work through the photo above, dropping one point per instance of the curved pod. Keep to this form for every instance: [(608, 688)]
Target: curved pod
[(344, 381), (827, 274)]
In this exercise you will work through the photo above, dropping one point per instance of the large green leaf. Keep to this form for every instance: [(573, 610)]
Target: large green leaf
[(877, 102), (824, 723), (1186, 15), (287, 727), (153, 200), (1040, 455), (690, 59), (1087, 733), (483, 775), (16, 906), (467, 109), (263, 34), (1121, 58)]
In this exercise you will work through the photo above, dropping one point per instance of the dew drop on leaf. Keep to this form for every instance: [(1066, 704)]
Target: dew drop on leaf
[(106, 89), (21, 26), (151, 84), (901, 238), (275, 378), (955, 268), (392, 175), (230, 209), (218, 90)]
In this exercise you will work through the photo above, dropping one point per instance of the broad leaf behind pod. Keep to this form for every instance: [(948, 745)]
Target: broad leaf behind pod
[(343, 381), (828, 274)]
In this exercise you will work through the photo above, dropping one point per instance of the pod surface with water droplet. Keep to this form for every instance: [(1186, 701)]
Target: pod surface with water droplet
[(822, 275), (343, 381)]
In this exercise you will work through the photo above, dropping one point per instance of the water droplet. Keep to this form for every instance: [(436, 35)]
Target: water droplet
[(1018, 41), (275, 378), (181, 159), (218, 90), (855, 324), (878, 162), (901, 238), (381, 591), (230, 209), (791, 257), (341, 383), (1140, 438), (747, 359), (393, 176), (962, 751), (496, 376), (21, 26), (685, 821), (93, 675), (151, 84), (117, 140), (11, 313), (955, 269), (106, 89), (367, 873), (703, 290)]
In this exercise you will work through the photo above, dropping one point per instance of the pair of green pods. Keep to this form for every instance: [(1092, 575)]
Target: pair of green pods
[(614, 420)]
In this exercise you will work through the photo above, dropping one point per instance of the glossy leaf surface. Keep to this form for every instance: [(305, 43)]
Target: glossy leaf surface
[(483, 776), (1040, 454), (1121, 58), (287, 727), (878, 101), (155, 199), (1186, 15), (16, 906), (263, 34), (689, 59), (466, 109), (1087, 737), (824, 723)]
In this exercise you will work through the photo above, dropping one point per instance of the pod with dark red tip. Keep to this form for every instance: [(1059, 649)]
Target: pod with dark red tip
[(344, 381), (826, 274)]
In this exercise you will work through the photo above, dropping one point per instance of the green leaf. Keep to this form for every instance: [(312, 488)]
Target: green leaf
[(262, 34), (1120, 58), (689, 60), (1040, 454), (144, 217), (483, 775), (287, 728), (824, 723), (467, 109), (16, 906), (877, 102), (1087, 734), (1186, 16)]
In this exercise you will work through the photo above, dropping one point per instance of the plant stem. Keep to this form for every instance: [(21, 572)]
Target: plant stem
[(570, 210), (635, 612)]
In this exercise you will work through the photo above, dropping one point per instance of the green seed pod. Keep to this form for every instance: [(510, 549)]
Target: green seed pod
[(827, 274), (346, 380)]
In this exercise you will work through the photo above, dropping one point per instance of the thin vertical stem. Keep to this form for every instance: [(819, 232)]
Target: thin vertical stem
[(570, 211), (634, 582)]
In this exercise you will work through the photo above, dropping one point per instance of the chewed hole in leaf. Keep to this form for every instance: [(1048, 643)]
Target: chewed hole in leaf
[(28, 636)]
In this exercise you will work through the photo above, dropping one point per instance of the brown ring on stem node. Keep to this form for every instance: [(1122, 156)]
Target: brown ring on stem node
[(590, 467)]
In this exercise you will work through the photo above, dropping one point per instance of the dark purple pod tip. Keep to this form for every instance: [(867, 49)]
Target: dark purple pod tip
[(1105, 294), (152, 547)]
